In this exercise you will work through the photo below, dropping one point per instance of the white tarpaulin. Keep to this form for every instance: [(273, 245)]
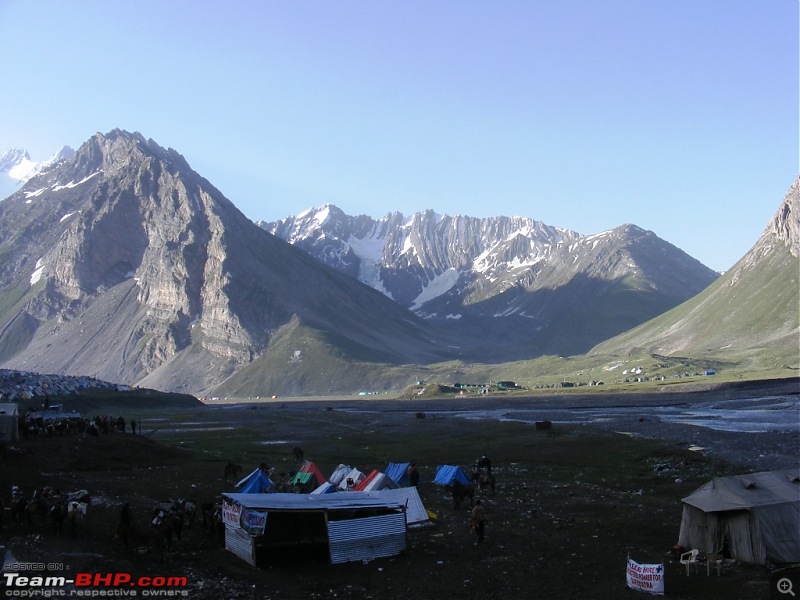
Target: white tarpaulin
[(645, 578)]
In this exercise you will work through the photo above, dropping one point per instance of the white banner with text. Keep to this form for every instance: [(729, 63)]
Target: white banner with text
[(645, 578)]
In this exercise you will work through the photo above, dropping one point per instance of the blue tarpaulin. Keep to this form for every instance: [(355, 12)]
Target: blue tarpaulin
[(256, 483), (446, 473), (398, 472)]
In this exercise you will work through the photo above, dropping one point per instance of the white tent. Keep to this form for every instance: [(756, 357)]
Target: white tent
[(355, 475), (339, 473), (416, 515), (756, 517)]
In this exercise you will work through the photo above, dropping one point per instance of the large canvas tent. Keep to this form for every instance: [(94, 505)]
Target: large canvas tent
[(446, 473), (756, 517)]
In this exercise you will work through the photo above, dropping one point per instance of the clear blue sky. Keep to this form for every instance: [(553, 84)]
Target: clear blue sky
[(680, 116)]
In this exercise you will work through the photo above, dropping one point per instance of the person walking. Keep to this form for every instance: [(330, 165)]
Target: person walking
[(478, 520), (413, 475)]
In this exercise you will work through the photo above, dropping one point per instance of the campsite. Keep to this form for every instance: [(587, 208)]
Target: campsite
[(571, 504)]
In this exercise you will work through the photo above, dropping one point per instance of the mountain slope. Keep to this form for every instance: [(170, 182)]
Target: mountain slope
[(514, 286), (124, 264), (751, 314)]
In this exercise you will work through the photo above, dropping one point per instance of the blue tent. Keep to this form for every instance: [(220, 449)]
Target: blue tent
[(325, 488), (398, 472), (256, 483), (446, 473)]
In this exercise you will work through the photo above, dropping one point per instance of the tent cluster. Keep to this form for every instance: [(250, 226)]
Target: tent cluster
[(349, 515), (309, 479)]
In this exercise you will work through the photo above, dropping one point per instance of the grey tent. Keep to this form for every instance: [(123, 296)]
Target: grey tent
[(755, 516)]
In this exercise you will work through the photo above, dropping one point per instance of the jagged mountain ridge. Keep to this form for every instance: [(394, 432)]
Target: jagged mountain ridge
[(523, 287), (415, 259), (124, 264)]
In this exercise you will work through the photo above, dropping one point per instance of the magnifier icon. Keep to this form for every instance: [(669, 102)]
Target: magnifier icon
[(784, 586)]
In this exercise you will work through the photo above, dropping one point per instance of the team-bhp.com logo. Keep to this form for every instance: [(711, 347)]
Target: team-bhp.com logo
[(93, 585)]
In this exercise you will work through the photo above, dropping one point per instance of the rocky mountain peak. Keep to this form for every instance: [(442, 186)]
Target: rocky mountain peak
[(783, 230), (785, 225), (131, 267)]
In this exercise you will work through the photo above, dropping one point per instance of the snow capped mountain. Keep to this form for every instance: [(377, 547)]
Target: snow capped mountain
[(510, 281), (16, 167), (416, 259), (13, 159)]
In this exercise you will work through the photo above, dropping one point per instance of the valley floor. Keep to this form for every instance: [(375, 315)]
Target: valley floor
[(571, 502)]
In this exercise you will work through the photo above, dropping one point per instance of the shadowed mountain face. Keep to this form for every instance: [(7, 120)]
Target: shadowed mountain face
[(123, 263), (750, 315)]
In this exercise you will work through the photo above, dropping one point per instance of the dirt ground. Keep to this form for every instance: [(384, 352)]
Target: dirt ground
[(571, 503)]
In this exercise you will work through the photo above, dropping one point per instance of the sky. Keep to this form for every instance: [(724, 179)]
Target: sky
[(679, 116)]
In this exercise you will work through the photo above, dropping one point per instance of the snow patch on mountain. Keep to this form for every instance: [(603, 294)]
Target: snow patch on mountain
[(35, 193), (369, 250), (72, 184), (37, 273), (437, 286)]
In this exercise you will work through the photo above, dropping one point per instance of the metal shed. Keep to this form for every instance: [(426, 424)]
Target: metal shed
[(261, 528)]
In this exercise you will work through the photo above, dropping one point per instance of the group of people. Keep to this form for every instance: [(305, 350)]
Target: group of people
[(33, 424)]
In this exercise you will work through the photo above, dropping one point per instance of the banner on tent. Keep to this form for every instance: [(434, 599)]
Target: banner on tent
[(645, 578)]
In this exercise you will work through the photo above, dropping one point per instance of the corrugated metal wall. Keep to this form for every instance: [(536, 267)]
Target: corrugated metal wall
[(238, 541), (365, 539)]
